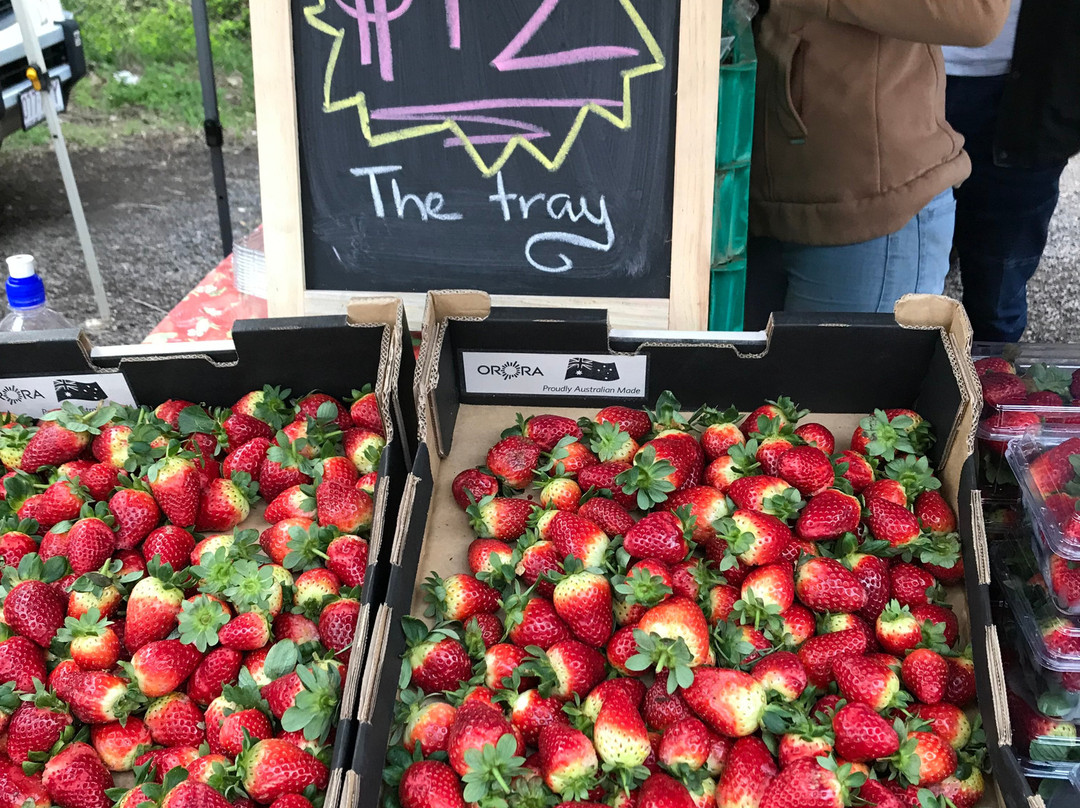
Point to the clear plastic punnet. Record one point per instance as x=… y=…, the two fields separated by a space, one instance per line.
x=1046 y=463
x=1034 y=379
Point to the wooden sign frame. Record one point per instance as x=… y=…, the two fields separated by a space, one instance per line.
x=697 y=83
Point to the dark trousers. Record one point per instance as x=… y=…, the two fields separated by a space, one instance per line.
x=1002 y=214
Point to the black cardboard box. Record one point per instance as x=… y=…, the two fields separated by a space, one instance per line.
x=333 y=354
x=479 y=365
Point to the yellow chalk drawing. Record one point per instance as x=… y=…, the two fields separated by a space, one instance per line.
x=359 y=101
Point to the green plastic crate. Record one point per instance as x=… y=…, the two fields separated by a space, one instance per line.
x=731 y=213
x=735 y=119
x=726 y=295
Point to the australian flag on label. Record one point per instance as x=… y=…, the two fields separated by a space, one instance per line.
x=588 y=369
x=82 y=391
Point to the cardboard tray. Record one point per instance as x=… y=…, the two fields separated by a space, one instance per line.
x=840 y=367
x=332 y=354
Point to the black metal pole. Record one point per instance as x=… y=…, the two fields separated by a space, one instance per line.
x=212 y=124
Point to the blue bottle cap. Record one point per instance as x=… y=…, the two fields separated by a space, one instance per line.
x=24 y=288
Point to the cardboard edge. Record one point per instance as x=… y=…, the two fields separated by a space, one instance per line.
x=356 y=667
x=369 y=686
x=978 y=538
x=997 y=687
x=385 y=313
x=401 y=529
x=378 y=525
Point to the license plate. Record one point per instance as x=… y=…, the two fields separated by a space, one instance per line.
x=33 y=111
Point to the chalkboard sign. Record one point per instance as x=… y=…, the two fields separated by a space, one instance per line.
x=524 y=147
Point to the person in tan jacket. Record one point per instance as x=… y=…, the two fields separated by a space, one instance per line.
x=853 y=164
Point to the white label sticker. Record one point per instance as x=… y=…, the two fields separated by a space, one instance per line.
x=36 y=395
x=541 y=374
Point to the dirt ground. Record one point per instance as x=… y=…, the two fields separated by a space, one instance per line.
x=150 y=205
x=152 y=214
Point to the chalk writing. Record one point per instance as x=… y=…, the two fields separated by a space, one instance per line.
x=456 y=119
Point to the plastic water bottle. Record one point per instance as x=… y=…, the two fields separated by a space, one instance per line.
x=26 y=299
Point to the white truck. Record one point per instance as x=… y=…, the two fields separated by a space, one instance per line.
x=61 y=44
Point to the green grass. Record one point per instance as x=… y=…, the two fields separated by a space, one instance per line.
x=155 y=40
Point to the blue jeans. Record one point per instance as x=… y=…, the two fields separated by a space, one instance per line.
x=1002 y=214
x=869 y=276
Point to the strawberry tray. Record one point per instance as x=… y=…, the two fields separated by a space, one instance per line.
x=327 y=354
x=1046 y=463
x=480 y=366
x=1029 y=382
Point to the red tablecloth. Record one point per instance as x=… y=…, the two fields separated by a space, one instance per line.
x=209 y=310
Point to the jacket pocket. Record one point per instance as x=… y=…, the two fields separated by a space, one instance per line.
x=789 y=55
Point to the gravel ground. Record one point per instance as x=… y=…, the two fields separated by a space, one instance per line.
x=152 y=215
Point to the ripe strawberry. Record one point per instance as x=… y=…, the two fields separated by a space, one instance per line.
x=754 y=538
x=926 y=675
x=275 y=540
x=118 y=745
x=63 y=434
x=513 y=460
x=636 y=423
x=76 y=778
x=804 y=739
x=247 y=458
x=731 y=702
x=960 y=689
x=781 y=412
x=936 y=760
x=559 y=493
x=62 y=501
x=474 y=484
x=174 y=720
x=720 y=434
x=272 y=767
x=859 y=472
x=699 y=508
x=1051 y=470
x=807 y=468
x=873 y=573
x=99 y=479
x=885 y=433
x=818 y=653
x=662 y=791
x=35 y=609
x=240 y=429
x=660 y=708
x=284 y=466
x=92 y=643
x=488 y=556
x=344 y=506
x=500 y=517
x=817 y=435
x=475 y=725
x=161 y=666
x=645 y=585
x=18 y=789
x=249 y=631
x=36 y=725
x=21 y=662
x=946 y=720
x=672 y=457
x=621 y=739
x=897 y=630
x=679 y=618
x=153 y=606
x=568 y=761
x=912 y=585
x=170 y=545
x=430 y=784
x=891 y=523
x=825 y=585
x=749 y=770
x=751 y=493
x=686 y=743
x=250 y=721
x=90 y=544
x=573 y=535
x=97 y=697
x=458 y=597
x=888 y=489
x=829 y=515
x=225 y=503
x=1002 y=388
x=136 y=514
x=174 y=482
x=624 y=645
x=220 y=667
x=863 y=735
x=566 y=669
x=347 y=557
x=193 y=794
x=661 y=535
x=934 y=513
x=604 y=477
x=533 y=621
x=781 y=673
x=583 y=600
x=806 y=782
x=15 y=544
x=768 y=590
x=530 y=713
